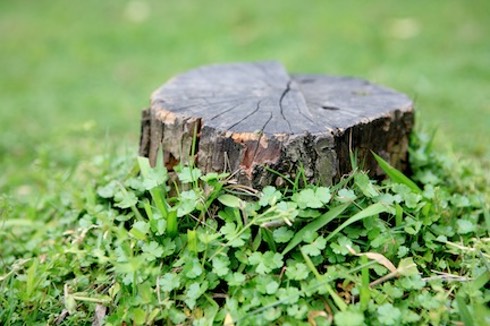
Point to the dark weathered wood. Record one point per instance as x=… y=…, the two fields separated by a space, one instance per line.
x=249 y=116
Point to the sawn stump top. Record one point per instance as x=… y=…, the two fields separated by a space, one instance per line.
x=264 y=97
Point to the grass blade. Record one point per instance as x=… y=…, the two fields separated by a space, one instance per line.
x=144 y=165
x=398 y=215
x=486 y=214
x=231 y=201
x=315 y=225
x=374 y=209
x=364 y=292
x=158 y=198
x=156 y=192
x=396 y=175
x=192 y=241
x=338 y=300
x=172 y=224
x=464 y=312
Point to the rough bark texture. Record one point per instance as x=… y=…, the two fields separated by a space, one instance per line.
x=252 y=117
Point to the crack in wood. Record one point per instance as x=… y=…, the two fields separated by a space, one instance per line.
x=199 y=105
x=281 y=108
x=246 y=117
x=330 y=108
x=226 y=111
x=304 y=115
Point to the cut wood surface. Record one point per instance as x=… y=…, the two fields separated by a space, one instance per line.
x=251 y=118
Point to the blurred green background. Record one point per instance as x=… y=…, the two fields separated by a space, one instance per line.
x=74 y=75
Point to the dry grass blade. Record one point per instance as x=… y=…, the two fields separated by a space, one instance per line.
x=312 y=315
x=406 y=267
x=379 y=258
x=100 y=313
x=228 y=320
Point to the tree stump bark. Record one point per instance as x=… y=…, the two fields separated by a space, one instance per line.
x=252 y=118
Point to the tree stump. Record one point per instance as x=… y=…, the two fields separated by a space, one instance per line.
x=254 y=118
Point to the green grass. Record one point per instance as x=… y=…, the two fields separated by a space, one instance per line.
x=73 y=74
x=76 y=228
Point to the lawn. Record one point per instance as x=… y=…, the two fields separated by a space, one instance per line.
x=74 y=77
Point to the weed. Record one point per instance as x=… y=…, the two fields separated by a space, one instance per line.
x=127 y=249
